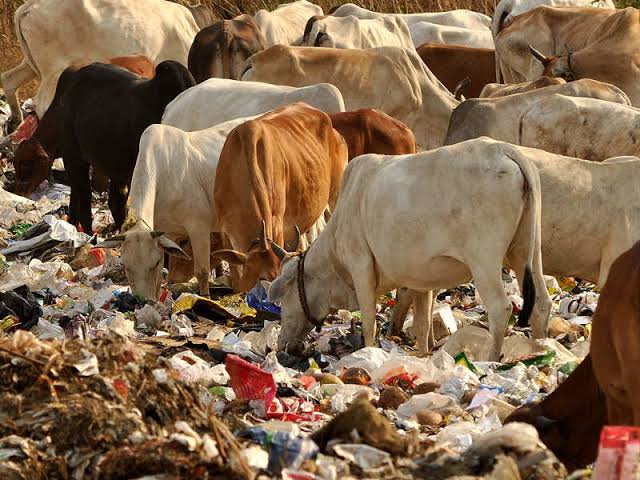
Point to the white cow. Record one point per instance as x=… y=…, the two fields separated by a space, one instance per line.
x=54 y=34
x=400 y=221
x=506 y=10
x=392 y=79
x=218 y=100
x=454 y=18
x=285 y=25
x=499 y=118
x=581 y=127
x=171 y=194
x=427 y=32
x=353 y=32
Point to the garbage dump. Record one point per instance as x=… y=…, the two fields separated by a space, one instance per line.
x=98 y=383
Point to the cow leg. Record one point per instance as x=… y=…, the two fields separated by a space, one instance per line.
x=201 y=247
x=404 y=298
x=80 y=202
x=488 y=280
x=216 y=263
x=11 y=81
x=422 y=319
x=118 y=201
x=236 y=271
x=364 y=283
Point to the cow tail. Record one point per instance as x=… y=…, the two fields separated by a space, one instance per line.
x=532 y=191
x=225 y=47
x=19 y=15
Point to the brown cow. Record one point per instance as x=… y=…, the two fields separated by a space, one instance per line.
x=453 y=63
x=275 y=177
x=373 y=131
x=615 y=344
x=221 y=49
x=493 y=90
x=34 y=157
x=569 y=420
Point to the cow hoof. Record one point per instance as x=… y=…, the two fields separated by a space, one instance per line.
x=12 y=124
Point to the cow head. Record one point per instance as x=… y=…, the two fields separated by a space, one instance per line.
x=32 y=165
x=142 y=256
x=556 y=66
x=307 y=28
x=172 y=78
x=261 y=262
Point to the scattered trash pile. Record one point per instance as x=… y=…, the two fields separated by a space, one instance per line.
x=97 y=383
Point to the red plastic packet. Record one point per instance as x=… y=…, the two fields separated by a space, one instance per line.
x=98 y=254
x=617 y=453
x=25 y=130
x=250 y=382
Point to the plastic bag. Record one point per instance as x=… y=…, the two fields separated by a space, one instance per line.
x=369 y=358
x=427 y=401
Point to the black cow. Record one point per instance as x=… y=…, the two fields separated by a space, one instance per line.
x=105 y=111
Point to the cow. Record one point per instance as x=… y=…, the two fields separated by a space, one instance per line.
x=285 y=25
x=581 y=127
x=375 y=243
x=392 y=79
x=171 y=195
x=53 y=35
x=493 y=90
x=192 y=109
x=221 y=49
x=614 y=344
x=454 y=18
x=453 y=63
x=373 y=131
x=275 y=178
x=573 y=43
x=33 y=157
x=499 y=118
x=353 y=32
x=570 y=428
x=202 y=15
x=507 y=10
x=427 y=32
x=104 y=112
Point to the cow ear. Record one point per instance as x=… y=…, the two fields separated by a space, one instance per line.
x=233 y=257
x=287 y=275
x=171 y=248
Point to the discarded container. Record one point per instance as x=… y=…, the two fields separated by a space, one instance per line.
x=250 y=382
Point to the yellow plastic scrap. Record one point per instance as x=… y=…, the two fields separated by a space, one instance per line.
x=247 y=311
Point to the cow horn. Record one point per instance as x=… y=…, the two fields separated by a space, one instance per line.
x=538 y=55
x=462 y=84
x=293 y=247
x=280 y=252
x=543 y=423
x=156 y=233
x=262 y=237
x=116 y=238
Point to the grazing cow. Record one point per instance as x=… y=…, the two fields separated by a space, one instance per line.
x=374 y=243
x=581 y=127
x=426 y=32
x=53 y=35
x=202 y=14
x=454 y=18
x=391 y=79
x=275 y=177
x=573 y=43
x=373 y=131
x=104 y=111
x=285 y=25
x=507 y=10
x=452 y=64
x=493 y=90
x=221 y=49
x=34 y=156
x=570 y=428
x=615 y=339
x=192 y=110
x=499 y=118
x=171 y=195
x=353 y=32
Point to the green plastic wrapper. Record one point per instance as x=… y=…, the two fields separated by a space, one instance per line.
x=543 y=360
x=461 y=359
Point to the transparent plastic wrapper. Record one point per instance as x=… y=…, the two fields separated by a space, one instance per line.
x=232 y=343
x=180 y=325
x=369 y=358
x=428 y=401
x=148 y=316
x=365 y=456
x=461 y=435
x=280 y=374
x=516 y=347
x=117 y=323
x=486 y=402
x=474 y=341
x=59 y=230
x=341 y=395
x=45 y=330
x=397 y=364
x=562 y=354
x=519 y=383
x=581 y=349
x=264 y=340
x=193 y=369
x=217 y=334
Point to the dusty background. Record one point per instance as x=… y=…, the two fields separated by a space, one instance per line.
x=10 y=54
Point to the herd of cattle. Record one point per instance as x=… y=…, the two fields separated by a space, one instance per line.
x=288 y=118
